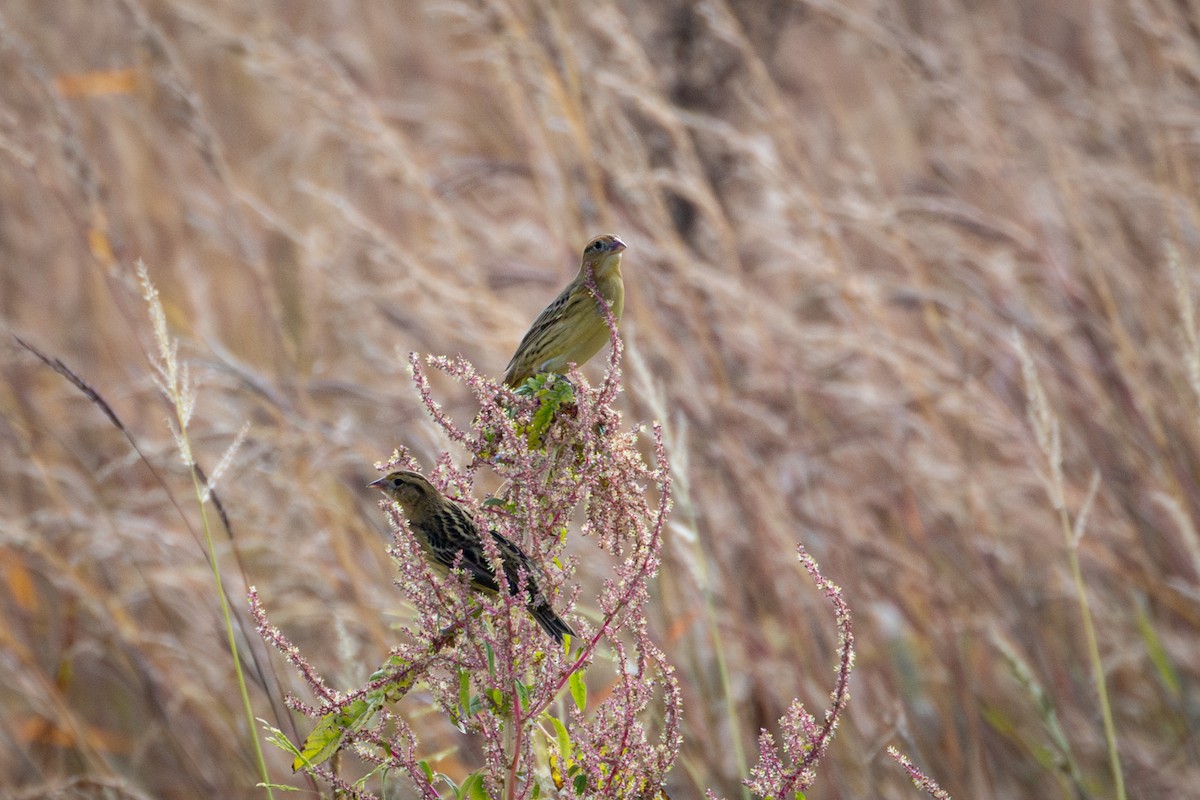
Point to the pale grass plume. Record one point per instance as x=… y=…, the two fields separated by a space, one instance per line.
x=227 y=458
x=1187 y=318
x=1183 y=523
x=1046 y=431
x=1044 y=424
x=1085 y=509
x=171 y=376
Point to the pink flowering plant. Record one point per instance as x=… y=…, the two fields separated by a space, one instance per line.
x=559 y=446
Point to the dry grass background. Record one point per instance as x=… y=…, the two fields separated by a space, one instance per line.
x=837 y=213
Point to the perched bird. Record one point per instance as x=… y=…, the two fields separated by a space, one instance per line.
x=444 y=529
x=572 y=328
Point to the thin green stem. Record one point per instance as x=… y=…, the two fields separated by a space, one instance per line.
x=233 y=648
x=1089 y=630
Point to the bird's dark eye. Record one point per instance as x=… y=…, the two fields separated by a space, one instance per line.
x=595 y=246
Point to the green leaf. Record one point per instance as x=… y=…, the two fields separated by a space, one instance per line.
x=326 y=738
x=428 y=770
x=472 y=788
x=552 y=394
x=523 y=694
x=491 y=657
x=538 y=425
x=530 y=386
x=579 y=690
x=563 y=391
x=393 y=691
x=580 y=783
x=563 y=738
x=464 y=692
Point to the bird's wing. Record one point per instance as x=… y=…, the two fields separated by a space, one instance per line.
x=514 y=562
x=458 y=534
x=549 y=316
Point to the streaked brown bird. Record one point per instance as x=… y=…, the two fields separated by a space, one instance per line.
x=444 y=529
x=572 y=328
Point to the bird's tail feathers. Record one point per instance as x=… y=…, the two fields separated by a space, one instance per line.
x=551 y=622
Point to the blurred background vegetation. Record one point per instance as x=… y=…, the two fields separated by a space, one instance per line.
x=838 y=214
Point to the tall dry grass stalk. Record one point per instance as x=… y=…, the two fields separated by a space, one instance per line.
x=1049 y=438
x=172 y=377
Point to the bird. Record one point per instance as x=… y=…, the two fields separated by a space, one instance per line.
x=444 y=529
x=572 y=328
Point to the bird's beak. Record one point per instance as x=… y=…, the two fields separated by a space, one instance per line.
x=617 y=246
x=377 y=484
